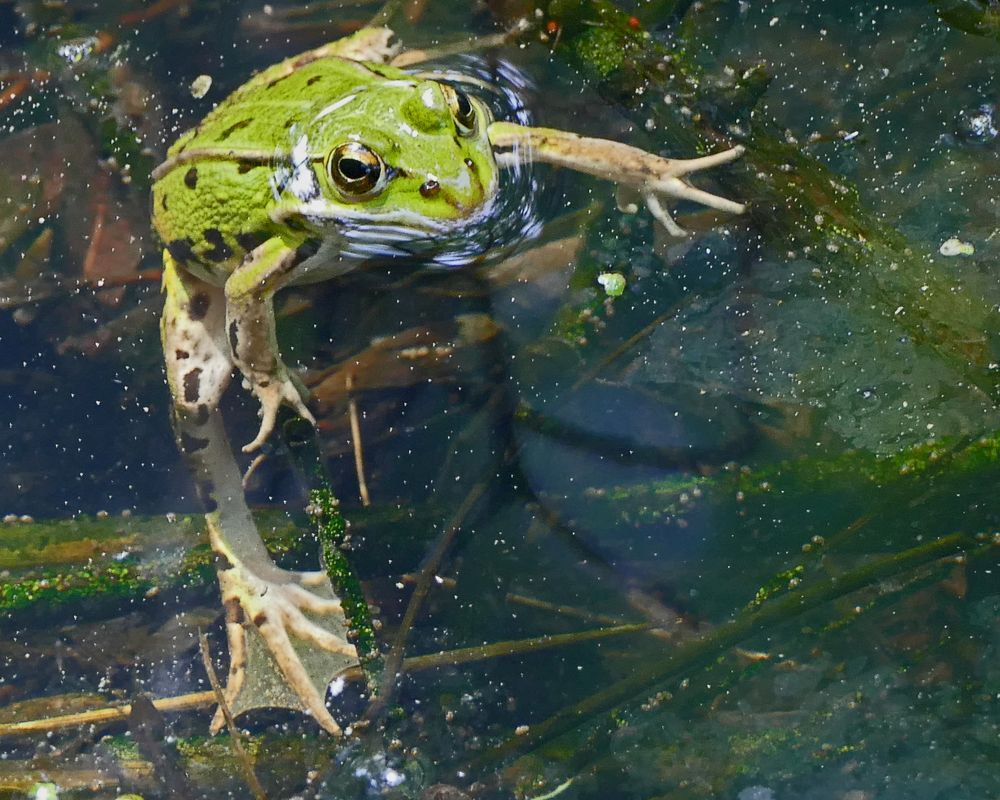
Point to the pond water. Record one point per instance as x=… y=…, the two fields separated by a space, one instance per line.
x=731 y=533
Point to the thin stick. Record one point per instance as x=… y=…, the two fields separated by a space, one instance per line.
x=565 y=611
x=246 y=767
x=359 y=455
x=394 y=660
x=105 y=716
x=446 y=658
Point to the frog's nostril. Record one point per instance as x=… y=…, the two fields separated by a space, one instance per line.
x=430 y=188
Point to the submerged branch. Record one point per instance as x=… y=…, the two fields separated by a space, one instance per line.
x=447 y=658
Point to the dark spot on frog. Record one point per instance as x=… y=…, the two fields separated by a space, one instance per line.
x=223 y=564
x=220 y=250
x=201 y=416
x=180 y=355
x=471 y=164
x=233 y=128
x=234 y=336
x=192 y=444
x=191 y=178
x=306 y=250
x=260 y=619
x=192 y=385
x=430 y=188
x=294 y=224
x=250 y=240
x=163 y=201
x=181 y=250
x=234 y=613
x=313 y=80
x=288 y=124
x=198 y=307
x=279 y=79
x=206 y=490
x=245 y=167
x=263 y=384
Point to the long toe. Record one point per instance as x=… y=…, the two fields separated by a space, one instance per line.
x=310 y=632
x=296 y=675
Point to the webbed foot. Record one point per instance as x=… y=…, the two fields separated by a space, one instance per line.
x=287 y=641
x=670 y=183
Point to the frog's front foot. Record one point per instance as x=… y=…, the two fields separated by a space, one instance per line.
x=271 y=390
x=301 y=625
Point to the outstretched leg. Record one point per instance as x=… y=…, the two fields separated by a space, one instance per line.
x=286 y=630
x=651 y=176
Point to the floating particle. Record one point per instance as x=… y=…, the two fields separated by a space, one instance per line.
x=200 y=86
x=956 y=247
x=613 y=283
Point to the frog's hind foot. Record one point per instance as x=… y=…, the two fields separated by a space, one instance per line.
x=287 y=640
x=672 y=184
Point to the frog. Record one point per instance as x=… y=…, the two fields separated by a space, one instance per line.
x=313 y=164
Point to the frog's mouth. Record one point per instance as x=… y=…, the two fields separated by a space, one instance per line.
x=396 y=233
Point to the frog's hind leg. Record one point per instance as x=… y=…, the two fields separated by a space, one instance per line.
x=647 y=174
x=286 y=630
x=252 y=339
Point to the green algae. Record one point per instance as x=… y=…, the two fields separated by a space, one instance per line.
x=102 y=564
x=956 y=460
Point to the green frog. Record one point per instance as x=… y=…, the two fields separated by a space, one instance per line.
x=328 y=156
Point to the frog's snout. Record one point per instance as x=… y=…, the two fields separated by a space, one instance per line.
x=462 y=192
x=462 y=201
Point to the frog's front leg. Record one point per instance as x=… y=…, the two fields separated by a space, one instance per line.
x=283 y=628
x=252 y=339
x=651 y=176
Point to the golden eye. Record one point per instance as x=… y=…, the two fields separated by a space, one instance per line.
x=355 y=169
x=461 y=109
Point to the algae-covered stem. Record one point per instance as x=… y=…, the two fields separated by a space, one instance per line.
x=330 y=528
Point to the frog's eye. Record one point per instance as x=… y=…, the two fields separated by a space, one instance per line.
x=461 y=109
x=355 y=169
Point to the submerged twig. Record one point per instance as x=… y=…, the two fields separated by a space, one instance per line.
x=446 y=658
x=246 y=766
x=394 y=660
x=565 y=611
x=359 y=455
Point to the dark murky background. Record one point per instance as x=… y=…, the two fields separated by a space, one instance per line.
x=778 y=448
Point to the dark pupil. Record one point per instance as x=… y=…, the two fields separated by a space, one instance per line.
x=464 y=106
x=354 y=169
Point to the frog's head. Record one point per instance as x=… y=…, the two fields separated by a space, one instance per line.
x=405 y=158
